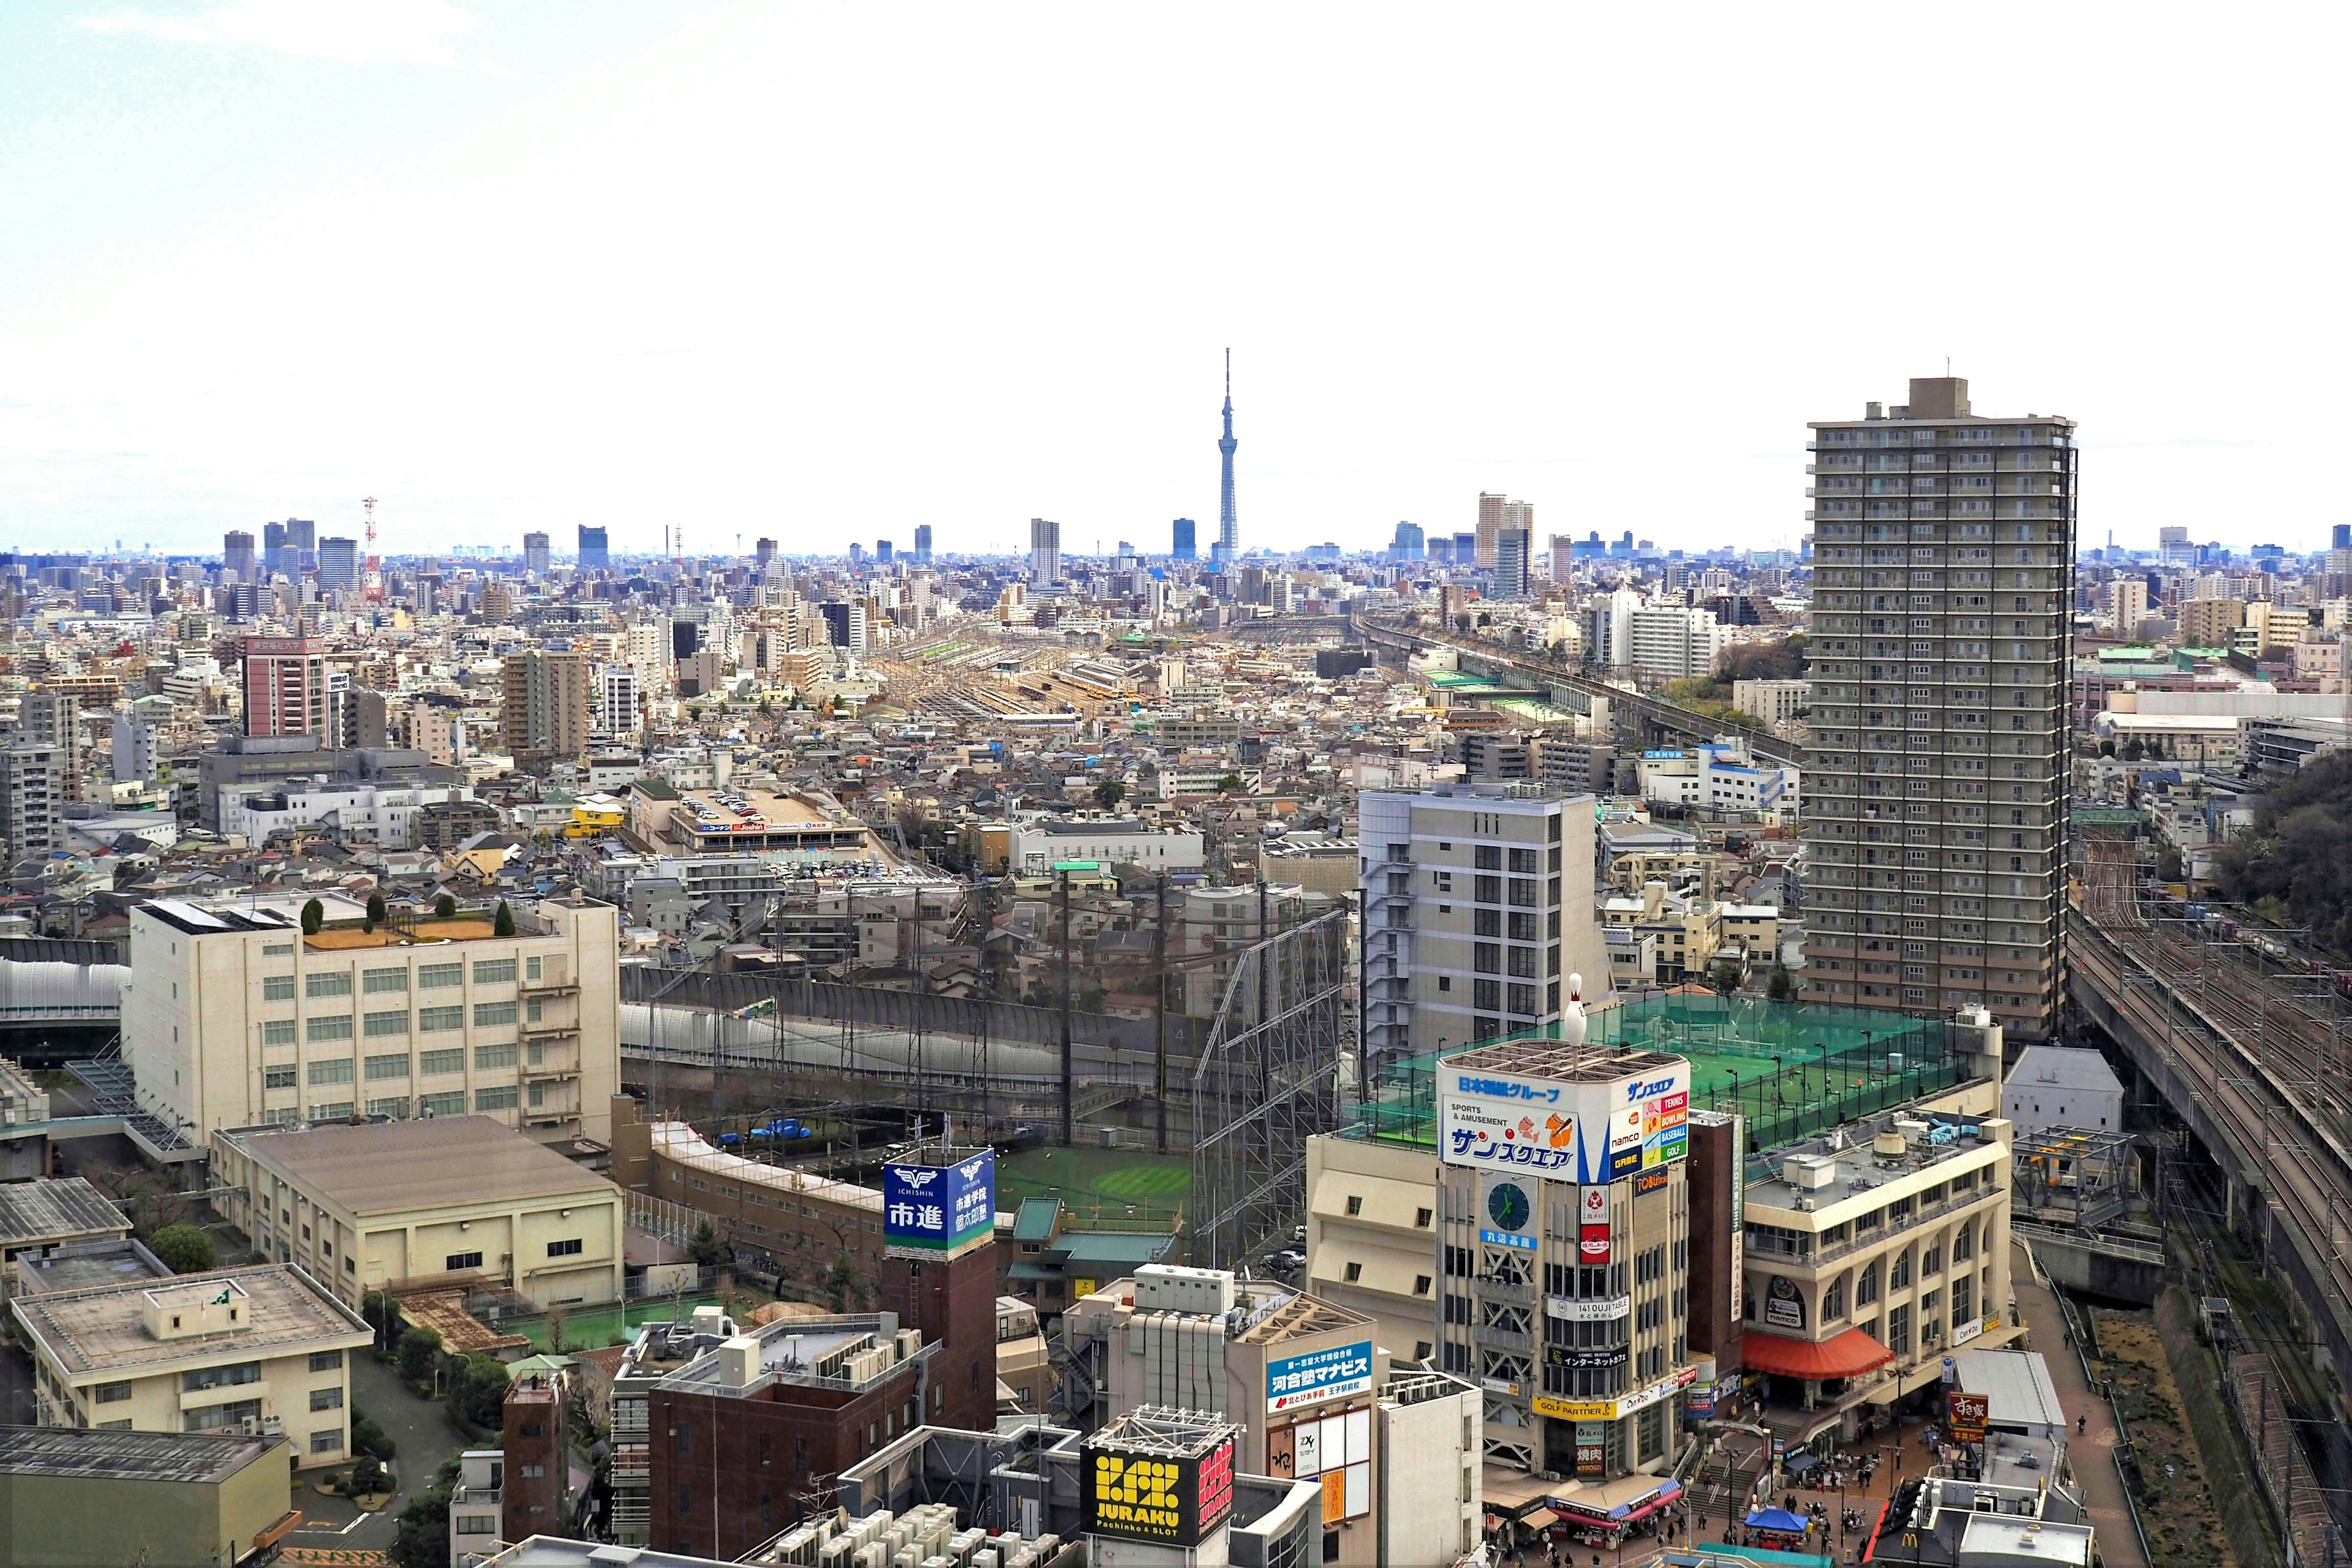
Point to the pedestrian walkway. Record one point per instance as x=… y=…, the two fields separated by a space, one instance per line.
x=2092 y=1455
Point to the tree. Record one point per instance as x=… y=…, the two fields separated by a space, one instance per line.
x=842 y=1284
x=1229 y=784
x=502 y=922
x=183 y=1249
x=422 y=1538
x=2107 y=747
x=382 y=1313
x=1783 y=985
x=556 y=1319
x=705 y=1247
x=376 y=913
x=480 y=1392
x=314 y=915
x=369 y=1439
x=2169 y=865
x=2134 y=751
x=445 y=907
x=420 y=1350
x=1725 y=978
x=1108 y=794
x=367 y=1478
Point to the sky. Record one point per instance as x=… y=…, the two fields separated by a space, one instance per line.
x=825 y=273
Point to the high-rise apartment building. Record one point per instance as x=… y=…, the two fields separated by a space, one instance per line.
x=236 y=554
x=2126 y=605
x=544 y=703
x=1673 y=642
x=285 y=686
x=1044 y=550
x=1513 y=546
x=1496 y=513
x=2211 y=623
x=1563 y=557
x=33 y=775
x=1478 y=905
x=1938 y=767
x=338 y=564
x=922 y=544
x=535 y=554
x=617 y=690
x=1180 y=545
x=595 y=553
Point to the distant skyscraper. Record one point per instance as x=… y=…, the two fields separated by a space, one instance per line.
x=2343 y=536
x=303 y=545
x=273 y=549
x=1044 y=550
x=338 y=564
x=594 y=554
x=285 y=687
x=1441 y=550
x=236 y=554
x=922 y=544
x=1512 y=548
x=1181 y=546
x=1407 y=545
x=764 y=554
x=1563 y=557
x=1466 y=551
x=1229 y=528
x=1940 y=755
x=534 y=553
x=884 y=552
x=1496 y=513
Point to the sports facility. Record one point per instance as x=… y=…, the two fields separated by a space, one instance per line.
x=1108 y=1181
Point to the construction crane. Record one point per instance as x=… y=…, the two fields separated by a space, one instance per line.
x=371 y=574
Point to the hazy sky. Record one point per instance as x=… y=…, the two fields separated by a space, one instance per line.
x=826 y=272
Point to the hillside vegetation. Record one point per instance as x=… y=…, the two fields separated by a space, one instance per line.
x=2295 y=863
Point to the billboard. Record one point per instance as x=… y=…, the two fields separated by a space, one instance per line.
x=1507 y=1210
x=1965 y=1416
x=1592 y=1227
x=1168 y=1499
x=1613 y=1409
x=1784 y=1304
x=1313 y=1376
x=932 y=1212
x=1592 y=1132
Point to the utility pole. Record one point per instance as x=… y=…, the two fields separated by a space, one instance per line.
x=1062 y=878
x=1160 y=1017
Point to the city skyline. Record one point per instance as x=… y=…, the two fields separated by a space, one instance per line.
x=210 y=193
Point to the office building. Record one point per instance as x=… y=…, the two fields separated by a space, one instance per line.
x=845 y=623
x=544 y=706
x=535 y=554
x=461 y=1200
x=285 y=687
x=1512 y=548
x=258 y=1352
x=922 y=544
x=1408 y=544
x=232 y=1018
x=1044 y=550
x=236 y=554
x=1478 y=906
x=2211 y=623
x=1181 y=546
x=302 y=546
x=1496 y=513
x=338 y=564
x=1565 y=1277
x=884 y=552
x=618 y=691
x=594 y=554
x=176 y=1499
x=1941 y=738
x=274 y=561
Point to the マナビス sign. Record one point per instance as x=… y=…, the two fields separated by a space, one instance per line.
x=1312 y=1376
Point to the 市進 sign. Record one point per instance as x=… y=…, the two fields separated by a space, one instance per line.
x=933 y=1213
x=1314 y=1376
x=1172 y=1500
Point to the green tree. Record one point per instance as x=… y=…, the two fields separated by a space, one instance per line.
x=1783 y=985
x=1109 y=793
x=421 y=1539
x=2134 y=751
x=376 y=913
x=314 y=915
x=382 y=1313
x=369 y=1439
x=183 y=1249
x=445 y=907
x=842 y=1284
x=367 y=1478
x=1229 y=784
x=1725 y=978
x=479 y=1391
x=705 y=1247
x=420 y=1350
x=502 y=922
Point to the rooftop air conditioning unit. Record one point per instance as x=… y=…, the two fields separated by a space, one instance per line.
x=1808 y=1172
x=1890 y=1145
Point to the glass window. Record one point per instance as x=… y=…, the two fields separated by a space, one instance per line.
x=333 y=1027
x=278 y=1076
x=566 y=1248
x=494 y=972
x=278 y=1032
x=451 y=1104
x=433 y=976
x=327 y=1398
x=379 y=1025
x=450 y=1060
x=492 y=1014
x=497 y=1099
x=229 y=1376
x=335 y=1069
x=278 y=988
x=377 y=980
x=386 y=1067
x=531 y=968
x=431 y=1020
x=393 y=1107
x=213 y=1417
x=331 y=982
x=330 y=1441
x=489 y=1057
x=112 y=1392
x=331 y=1110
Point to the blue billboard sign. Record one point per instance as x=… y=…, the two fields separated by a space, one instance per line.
x=938 y=1212
x=1314 y=1376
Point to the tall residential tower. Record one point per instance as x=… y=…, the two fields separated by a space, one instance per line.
x=1044 y=550
x=1935 y=827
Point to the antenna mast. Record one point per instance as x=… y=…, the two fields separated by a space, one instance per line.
x=371 y=574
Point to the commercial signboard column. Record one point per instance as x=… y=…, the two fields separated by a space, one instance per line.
x=933 y=1211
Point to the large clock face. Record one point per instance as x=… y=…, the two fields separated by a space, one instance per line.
x=1507 y=1205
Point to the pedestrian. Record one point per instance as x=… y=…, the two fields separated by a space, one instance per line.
x=2081 y=1422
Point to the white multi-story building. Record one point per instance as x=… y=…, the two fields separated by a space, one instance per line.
x=1776 y=702
x=384 y=815
x=618 y=688
x=1718 y=777
x=232 y=1018
x=1674 y=642
x=1035 y=847
x=135 y=749
x=1478 y=906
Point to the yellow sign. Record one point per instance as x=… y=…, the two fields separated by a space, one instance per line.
x=1335 y=1496
x=1568 y=1410
x=1138 y=1493
x=1081 y=1289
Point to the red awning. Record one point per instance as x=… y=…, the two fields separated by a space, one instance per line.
x=1850 y=1354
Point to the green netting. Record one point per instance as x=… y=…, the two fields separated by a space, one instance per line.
x=1792 y=1069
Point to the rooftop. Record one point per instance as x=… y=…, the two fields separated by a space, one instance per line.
x=1856 y=1166
x=1299 y=1316
x=68 y=1210
x=75 y=1265
x=103 y=1328
x=385 y=1167
x=127 y=1456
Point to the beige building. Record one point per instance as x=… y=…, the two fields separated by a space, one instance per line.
x=2211 y=623
x=159 y=1499
x=1776 y=702
x=1478 y=906
x=1498 y=514
x=257 y=1352
x=232 y=1018
x=1371 y=1237
x=1941 y=742
x=545 y=702
x=404 y=1204
x=2125 y=605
